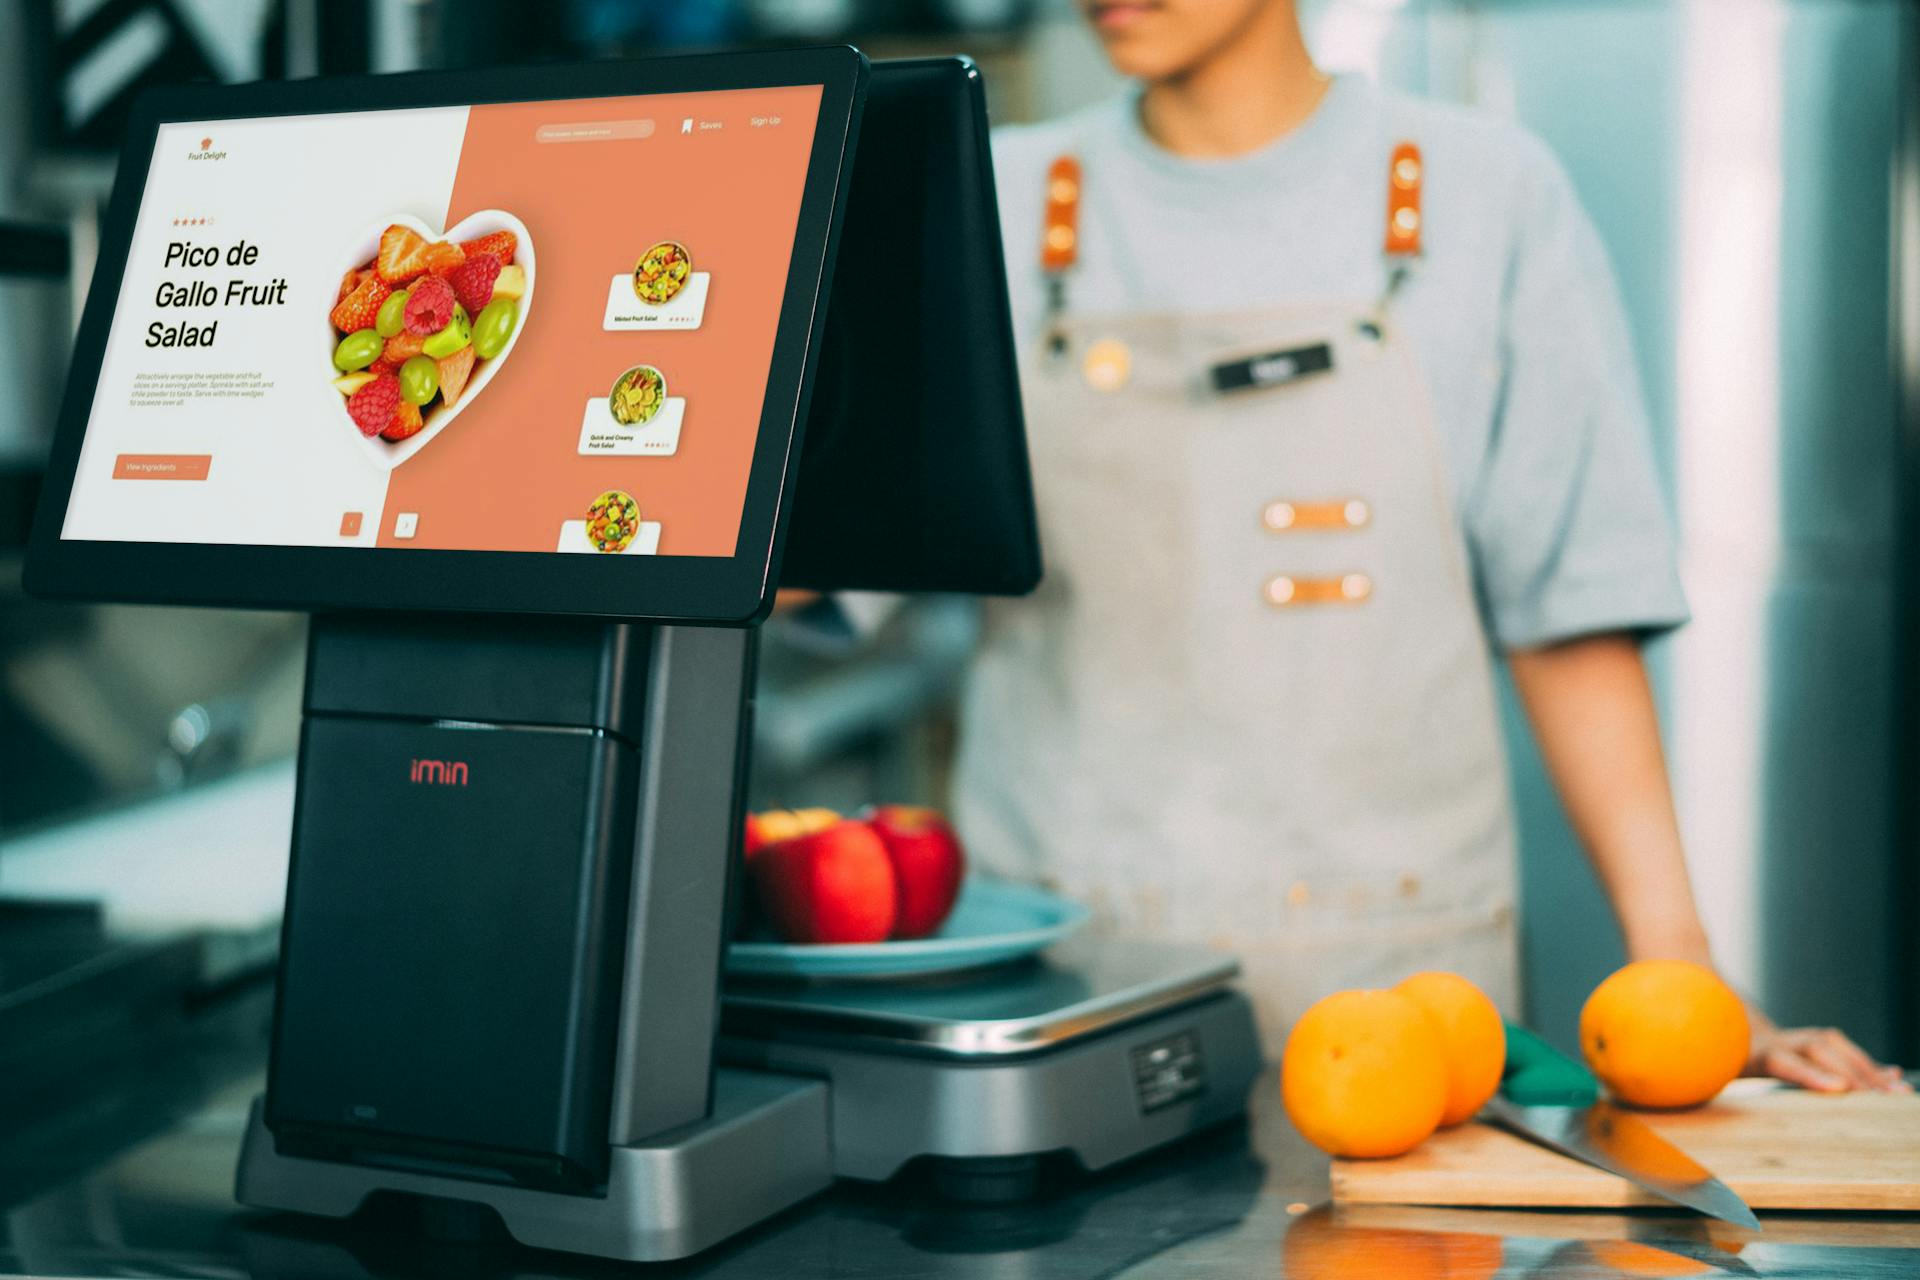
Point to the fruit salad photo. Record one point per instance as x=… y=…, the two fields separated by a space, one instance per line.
x=421 y=322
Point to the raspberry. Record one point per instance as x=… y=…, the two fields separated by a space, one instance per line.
x=372 y=406
x=473 y=279
x=429 y=307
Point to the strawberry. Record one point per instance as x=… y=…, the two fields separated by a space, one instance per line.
x=402 y=347
x=454 y=372
x=500 y=244
x=406 y=421
x=358 y=308
x=472 y=281
x=350 y=281
x=372 y=406
x=442 y=257
x=429 y=307
x=403 y=255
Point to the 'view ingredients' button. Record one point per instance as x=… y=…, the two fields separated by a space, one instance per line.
x=162 y=466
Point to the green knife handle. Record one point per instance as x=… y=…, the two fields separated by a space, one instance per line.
x=1539 y=1075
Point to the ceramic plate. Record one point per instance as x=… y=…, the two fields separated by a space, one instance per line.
x=994 y=921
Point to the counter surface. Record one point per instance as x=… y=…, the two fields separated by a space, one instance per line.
x=1246 y=1201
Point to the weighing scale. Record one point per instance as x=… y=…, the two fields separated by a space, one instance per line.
x=522 y=774
x=1094 y=1051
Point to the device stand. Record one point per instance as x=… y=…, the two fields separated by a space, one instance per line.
x=763 y=1148
x=533 y=822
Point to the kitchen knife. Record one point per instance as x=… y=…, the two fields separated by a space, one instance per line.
x=1548 y=1098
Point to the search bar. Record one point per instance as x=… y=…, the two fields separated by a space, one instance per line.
x=594 y=131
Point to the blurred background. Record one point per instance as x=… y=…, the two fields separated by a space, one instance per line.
x=1753 y=166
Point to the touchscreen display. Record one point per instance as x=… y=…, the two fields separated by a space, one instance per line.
x=518 y=327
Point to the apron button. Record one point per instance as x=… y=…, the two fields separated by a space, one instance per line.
x=1280 y=590
x=1406 y=219
x=1060 y=238
x=1278 y=515
x=1108 y=365
x=1358 y=513
x=1406 y=171
x=1298 y=894
x=1356 y=586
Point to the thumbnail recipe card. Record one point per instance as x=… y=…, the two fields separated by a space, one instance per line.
x=521 y=327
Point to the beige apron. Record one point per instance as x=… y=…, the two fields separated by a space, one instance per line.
x=1251 y=704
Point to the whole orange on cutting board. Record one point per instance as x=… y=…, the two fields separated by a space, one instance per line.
x=1474 y=1037
x=1364 y=1074
x=1664 y=1033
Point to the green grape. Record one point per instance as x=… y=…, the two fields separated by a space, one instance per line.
x=393 y=314
x=419 y=380
x=494 y=327
x=358 y=350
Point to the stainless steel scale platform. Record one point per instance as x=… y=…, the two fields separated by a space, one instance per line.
x=1096 y=1051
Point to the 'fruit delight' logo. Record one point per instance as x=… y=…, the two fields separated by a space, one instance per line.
x=206 y=151
x=438 y=773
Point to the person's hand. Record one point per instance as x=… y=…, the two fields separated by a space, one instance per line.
x=1819 y=1058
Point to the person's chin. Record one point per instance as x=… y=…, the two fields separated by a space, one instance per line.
x=1139 y=59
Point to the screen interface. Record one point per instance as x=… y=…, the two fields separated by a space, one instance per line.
x=520 y=327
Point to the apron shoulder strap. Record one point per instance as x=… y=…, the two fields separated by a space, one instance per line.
x=1060 y=246
x=1060 y=243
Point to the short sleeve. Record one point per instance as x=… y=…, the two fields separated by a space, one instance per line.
x=1568 y=525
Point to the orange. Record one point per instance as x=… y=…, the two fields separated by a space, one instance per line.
x=1474 y=1036
x=1364 y=1073
x=1321 y=1246
x=1664 y=1033
x=1631 y=1258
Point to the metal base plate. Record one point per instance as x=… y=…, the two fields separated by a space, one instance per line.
x=762 y=1149
x=1082 y=988
x=1100 y=1096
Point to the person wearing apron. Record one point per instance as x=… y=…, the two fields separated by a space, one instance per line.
x=1318 y=422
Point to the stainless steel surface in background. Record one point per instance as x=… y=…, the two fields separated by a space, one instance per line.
x=1236 y=1203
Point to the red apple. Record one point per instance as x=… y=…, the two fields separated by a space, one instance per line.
x=775 y=825
x=831 y=885
x=927 y=861
x=754 y=835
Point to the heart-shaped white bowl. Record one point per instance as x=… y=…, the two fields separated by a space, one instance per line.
x=387 y=454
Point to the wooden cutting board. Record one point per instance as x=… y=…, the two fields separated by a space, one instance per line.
x=1777 y=1148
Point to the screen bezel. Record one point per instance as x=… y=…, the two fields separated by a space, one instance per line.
x=736 y=589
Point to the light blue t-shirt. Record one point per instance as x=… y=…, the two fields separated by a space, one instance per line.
x=1512 y=313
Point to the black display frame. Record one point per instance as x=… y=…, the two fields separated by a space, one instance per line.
x=736 y=590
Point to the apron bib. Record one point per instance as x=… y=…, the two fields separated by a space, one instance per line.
x=1250 y=704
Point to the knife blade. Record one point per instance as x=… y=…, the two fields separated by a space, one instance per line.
x=1548 y=1098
